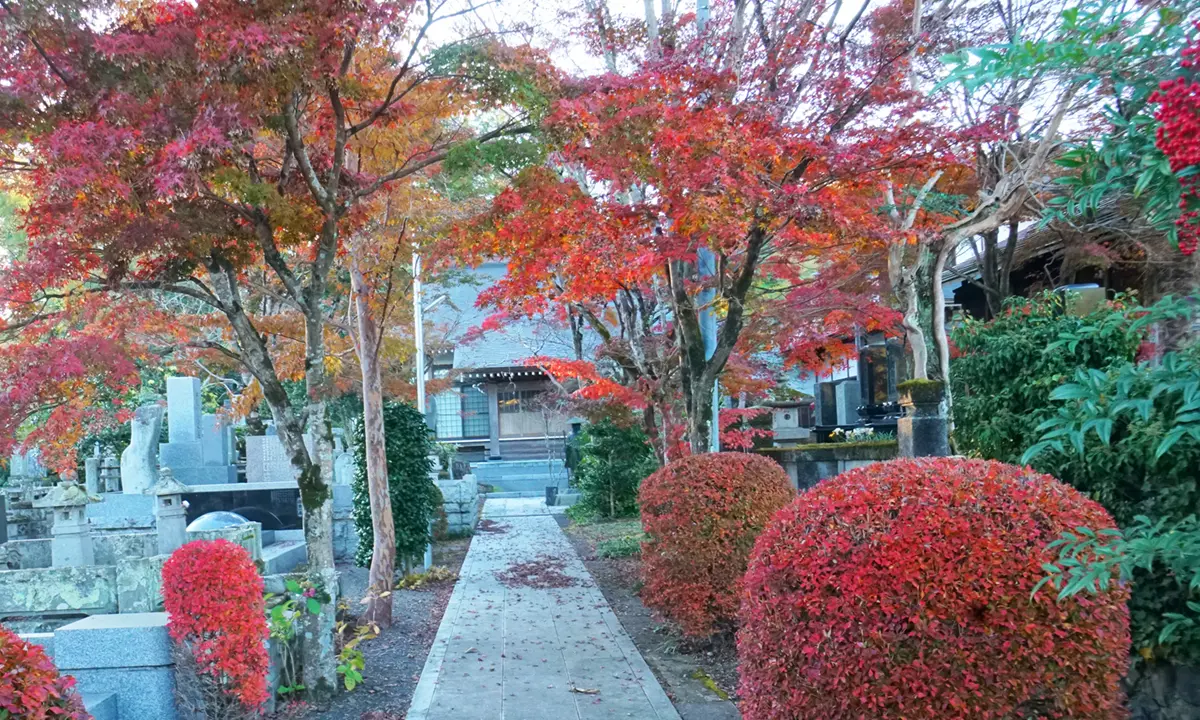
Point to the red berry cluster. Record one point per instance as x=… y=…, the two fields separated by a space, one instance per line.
x=1179 y=139
x=214 y=596
x=903 y=590
x=30 y=686
x=701 y=515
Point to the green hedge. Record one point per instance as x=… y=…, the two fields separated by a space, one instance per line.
x=412 y=492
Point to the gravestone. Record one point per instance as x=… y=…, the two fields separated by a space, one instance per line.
x=267 y=460
x=846 y=392
x=139 y=461
x=196 y=450
x=343 y=469
x=91 y=472
x=110 y=473
x=826 y=404
x=26 y=466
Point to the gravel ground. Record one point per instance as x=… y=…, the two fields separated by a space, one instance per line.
x=394 y=659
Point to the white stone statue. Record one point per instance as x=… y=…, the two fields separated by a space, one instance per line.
x=139 y=462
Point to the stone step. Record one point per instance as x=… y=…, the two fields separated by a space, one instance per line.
x=101 y=706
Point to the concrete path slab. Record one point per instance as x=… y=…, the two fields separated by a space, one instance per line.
x=505 y=651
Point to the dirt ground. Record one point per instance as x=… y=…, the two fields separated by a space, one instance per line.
x=700 y=679
x=394 y=659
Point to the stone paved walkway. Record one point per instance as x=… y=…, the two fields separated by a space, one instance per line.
x=506 y=652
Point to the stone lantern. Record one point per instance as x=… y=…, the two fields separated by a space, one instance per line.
x=71 y=544
x=169 y=512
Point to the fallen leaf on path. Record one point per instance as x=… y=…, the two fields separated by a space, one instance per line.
x=585 y=691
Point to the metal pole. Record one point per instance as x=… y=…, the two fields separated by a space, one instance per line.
x=419 y=363
x=706 y=263
x=419 y=333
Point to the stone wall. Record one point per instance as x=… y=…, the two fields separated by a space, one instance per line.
x=25 y=554
x=111 y=548
x=58 y=591
x=248 y=535
x=139 y=584
x=1163 y=692
x=807 y=466
x=460 y=501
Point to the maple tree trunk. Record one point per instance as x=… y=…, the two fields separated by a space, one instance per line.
x=383 y=549
x=320 y=657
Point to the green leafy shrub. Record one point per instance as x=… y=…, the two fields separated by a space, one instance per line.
x=619 y=547
x=1008 y=366
x=701 y=515
x=408 y=449
x=613 y=461
x=1130 y=438
x=903 y=590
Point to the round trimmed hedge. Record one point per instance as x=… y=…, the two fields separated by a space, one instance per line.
x=30 y=686
x=903 y=590
x=701 y=515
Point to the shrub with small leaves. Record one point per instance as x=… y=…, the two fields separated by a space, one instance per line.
x=904 y=590
x=408 y=447
x=30 y=686
x=701 y=515
x=214 y=596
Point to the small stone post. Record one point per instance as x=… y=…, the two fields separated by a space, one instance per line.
x=923 y=431
x=91 y=472
x=169 y=512
x=110 y=473
x=71 y=545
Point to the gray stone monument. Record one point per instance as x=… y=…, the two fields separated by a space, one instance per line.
x=196 y=450
x=343 y=469
x=71 y=543
x=923 y=431
x=139 y=461
x=26 y=466
x=91 y=472
x=169 y=512
x=267 y=460
x=846 y=392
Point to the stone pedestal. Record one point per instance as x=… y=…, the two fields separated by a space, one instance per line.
x=128 y=654
x=169 y=513
x=924 y=430
x=71 y=545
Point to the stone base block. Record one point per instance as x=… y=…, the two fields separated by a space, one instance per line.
x=113 y=641
x=284 y=557
x=206 y=474
x=142 y=693
x=177 y=455
x=101 y=706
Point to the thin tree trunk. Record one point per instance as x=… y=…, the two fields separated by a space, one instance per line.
x=383 y=549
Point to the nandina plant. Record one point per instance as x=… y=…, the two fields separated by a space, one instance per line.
x=701 y=515
x=214 y=596
x=904 y=590
x=30 y=686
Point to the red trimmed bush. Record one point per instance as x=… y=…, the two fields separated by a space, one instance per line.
x=902 y=590
x=30 y=686
x=214 y=595
x=701 y=515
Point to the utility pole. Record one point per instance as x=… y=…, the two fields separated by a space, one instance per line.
x=706 y=263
